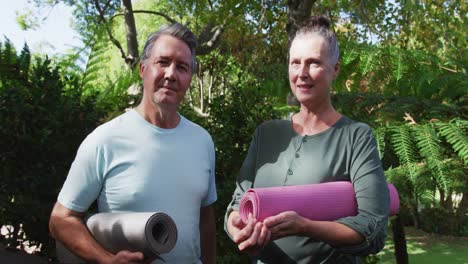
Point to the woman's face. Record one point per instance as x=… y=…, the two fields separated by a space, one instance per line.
x=311 y=70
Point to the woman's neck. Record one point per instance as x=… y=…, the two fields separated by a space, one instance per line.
x=311 y=122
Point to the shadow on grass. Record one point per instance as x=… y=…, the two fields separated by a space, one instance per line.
x=424 y=248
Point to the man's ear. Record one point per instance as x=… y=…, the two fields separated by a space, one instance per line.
x=141 y=69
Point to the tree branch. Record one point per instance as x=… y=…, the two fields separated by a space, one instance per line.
x=131 y=33
x=168 y=18
x=111 y=37
x=101 y=10
x=442 y=67
x=210 y=4
x=209 y=38
x=298 y=11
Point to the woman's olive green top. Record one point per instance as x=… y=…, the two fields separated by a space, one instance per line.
x=347 y=151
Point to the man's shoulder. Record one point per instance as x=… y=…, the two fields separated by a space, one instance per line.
x=106 y=131
x=194 y=128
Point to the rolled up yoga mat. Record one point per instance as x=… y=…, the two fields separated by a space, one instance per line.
x=323 y=202
x=150 y=233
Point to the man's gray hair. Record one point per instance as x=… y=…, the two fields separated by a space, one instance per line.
x=175 y=30
x=321 y=26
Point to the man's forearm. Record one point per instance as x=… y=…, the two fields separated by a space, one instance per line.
x=67 y=227
x=74 y=235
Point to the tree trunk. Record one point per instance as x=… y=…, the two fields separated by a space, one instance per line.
x=298 y=11
x=131 y=34
x=462 y=206
x=415 y=215
x=399 y=240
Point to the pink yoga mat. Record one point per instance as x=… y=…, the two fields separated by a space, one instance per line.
x=323 y=202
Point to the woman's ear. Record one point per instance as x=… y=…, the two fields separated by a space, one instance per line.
x=336 y=70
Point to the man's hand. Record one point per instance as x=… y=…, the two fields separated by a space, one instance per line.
x=251 y=237
x=128 y=257
x=284 y=224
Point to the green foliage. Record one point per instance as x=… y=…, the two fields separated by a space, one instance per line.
x=27 y=20
x=405 y=148
x=455 y=133
x=412 y=192
x=443 y=221
x=431 y=150
x=422 y=144
x=371 y=259
x=379 y=135
x=398 y=71
x=42 y=124
x=110 y=85
x=378 y=109
x=426 y=166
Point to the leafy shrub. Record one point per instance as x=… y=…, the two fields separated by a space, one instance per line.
x=43 y=120
x=443 y=221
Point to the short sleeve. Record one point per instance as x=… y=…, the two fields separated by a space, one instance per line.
x=84 y=181
x=211 y=195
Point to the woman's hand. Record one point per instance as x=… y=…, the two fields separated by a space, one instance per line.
x=251 y=237
x=285 y=224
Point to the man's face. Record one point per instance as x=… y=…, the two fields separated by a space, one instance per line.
x=167 y=73
x=311 y=70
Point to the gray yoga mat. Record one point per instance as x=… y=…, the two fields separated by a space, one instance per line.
x=150 y=233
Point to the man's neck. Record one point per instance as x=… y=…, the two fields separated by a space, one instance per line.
x=159 y=116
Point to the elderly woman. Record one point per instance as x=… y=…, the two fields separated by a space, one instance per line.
x=315 y=145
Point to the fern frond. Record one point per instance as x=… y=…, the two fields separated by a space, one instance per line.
x=431 y=149
x=399 y=65
x=369 y=60
x=350 y=55
x=426 y=196
x=455 y=134
x=379 y=135
x=95 y=61
x=405 y=149
x=414 y=190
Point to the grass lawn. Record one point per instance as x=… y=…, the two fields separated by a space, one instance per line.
x=424 y=248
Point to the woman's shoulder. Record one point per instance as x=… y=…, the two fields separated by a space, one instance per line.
x=276 y=124
x=352 y=124
x=352 y=127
